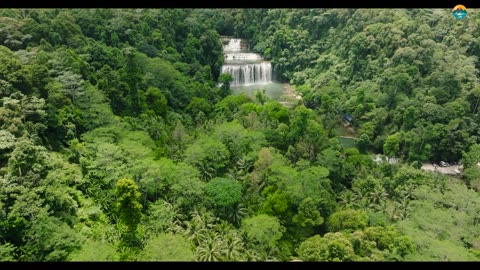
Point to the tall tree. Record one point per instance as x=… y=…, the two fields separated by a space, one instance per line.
x=128 y=205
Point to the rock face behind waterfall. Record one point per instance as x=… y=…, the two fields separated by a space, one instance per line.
x=246 y=67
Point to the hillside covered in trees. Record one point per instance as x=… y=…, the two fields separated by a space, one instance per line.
x=118 y=144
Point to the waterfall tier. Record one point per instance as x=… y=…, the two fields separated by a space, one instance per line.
x=238 y=57
x=247 y=74
x=234 y=45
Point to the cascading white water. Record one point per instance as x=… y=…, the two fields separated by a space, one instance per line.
x=247 y=74
x=231 y=57
x=246 y=68
x=234 y=45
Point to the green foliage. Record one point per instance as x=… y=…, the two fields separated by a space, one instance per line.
x=239 y=141
x=167 y=247
x=7 y=141
x=94 y=109
x=225 y=80
x=263 y=230
x=95 y=251
x=260 y=96
x=198 y=105
x=438 y=223
x=209 y=155
x=308 y=215
x=311 y=182
x=164 y=179
x=347 y=220
x=276 y=204
x=274 y=111
x=12 y=72
x=391 y=146
x=128 y=203
x=230 y=105
x=472 y=157
x=161 y=216
x=472 y=177
x=156 y=100
x=28 y=160
x=7 y=252
x=49 y=239
x=223 y=192
x=331 y=247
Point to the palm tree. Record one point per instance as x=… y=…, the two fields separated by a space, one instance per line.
x=176 y=227
x=233 y=247
x=407 y=191
x=177 y=215
x=404 y=209
x=223 y=228
x=240 y=171
x=360 y=198
x=346 y=199
x=264 y=256
x=237 y=213
x=244 y=164
x=207 y=171
x=210 y=250
x=252 y=255
x=195 y=230
x=233 y=173
x=209 y=219
x=377 y=196
x=401 y=209
x=176 y=222
x=382 y=206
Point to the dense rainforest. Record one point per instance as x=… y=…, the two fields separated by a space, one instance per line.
x=118 y=144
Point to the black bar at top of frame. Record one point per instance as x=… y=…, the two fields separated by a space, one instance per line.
x=238 y=4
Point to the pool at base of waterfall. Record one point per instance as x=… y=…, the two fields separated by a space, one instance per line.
x=273 y=90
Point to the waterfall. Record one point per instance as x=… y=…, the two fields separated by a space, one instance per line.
x=246 y=68
x=247 y=74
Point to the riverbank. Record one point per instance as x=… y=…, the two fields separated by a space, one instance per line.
x=450 y=170
x=289 y=96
